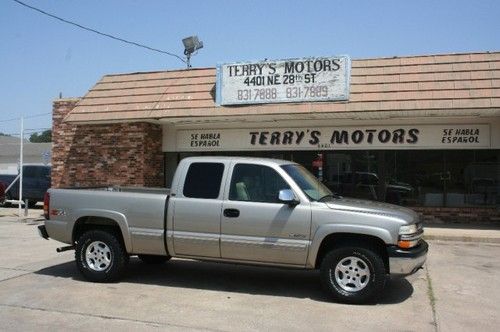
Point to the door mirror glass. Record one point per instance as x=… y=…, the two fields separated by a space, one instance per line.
x=288 y=197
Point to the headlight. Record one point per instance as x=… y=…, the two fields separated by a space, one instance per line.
x=408 y=229
x=410 y=235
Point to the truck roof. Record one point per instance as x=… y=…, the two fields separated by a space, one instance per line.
x=268 y=161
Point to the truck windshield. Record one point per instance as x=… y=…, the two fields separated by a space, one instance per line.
x=314 y=189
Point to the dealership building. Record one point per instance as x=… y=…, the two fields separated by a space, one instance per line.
x=418 y=131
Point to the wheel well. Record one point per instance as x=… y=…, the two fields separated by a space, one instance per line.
x=84 y=224
x=338 y=240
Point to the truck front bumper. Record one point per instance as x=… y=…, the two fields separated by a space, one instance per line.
x=403 y=262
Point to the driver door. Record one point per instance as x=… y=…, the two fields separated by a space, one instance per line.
x=255 y=226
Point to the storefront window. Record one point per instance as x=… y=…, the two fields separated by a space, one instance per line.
x=437 y=178
x=416 y=178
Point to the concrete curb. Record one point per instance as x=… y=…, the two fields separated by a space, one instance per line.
x=463 y=234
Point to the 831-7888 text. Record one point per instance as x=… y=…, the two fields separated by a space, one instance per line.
x=316 y=91
x=257 y=94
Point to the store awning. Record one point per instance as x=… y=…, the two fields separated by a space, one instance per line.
x=432 y=85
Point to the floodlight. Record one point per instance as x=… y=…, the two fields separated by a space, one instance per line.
x=191 y=45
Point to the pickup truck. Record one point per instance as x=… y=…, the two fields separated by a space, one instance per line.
x=240 y=210
x=36 y=181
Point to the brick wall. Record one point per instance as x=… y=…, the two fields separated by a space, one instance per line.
x=449 y=215
x=127 y=154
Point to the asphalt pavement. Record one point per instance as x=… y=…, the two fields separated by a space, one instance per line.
x=42 y=290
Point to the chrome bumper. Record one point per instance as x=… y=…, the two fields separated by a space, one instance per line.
x=403 y=262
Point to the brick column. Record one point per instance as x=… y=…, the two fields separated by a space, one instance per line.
x=126 y=154
x=62 y=134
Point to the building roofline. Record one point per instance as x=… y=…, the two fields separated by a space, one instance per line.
x=427 y=55
x=354 y=59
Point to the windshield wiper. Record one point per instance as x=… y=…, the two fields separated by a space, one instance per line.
x=334 y=195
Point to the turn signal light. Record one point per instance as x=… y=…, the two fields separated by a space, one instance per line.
x=404 y=244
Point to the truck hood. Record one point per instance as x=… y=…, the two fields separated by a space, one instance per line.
x=371 y=207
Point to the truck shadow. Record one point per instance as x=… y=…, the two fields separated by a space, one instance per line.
x=231 y=278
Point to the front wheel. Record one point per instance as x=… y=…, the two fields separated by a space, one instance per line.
x=353 y=274
x=100 y=256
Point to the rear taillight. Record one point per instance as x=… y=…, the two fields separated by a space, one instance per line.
x=46 y=205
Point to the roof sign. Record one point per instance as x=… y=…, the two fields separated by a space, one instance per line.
x=284 y=81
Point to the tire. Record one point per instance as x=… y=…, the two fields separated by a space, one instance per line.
x=153 y=259
x=100 y=256
x=353 y=274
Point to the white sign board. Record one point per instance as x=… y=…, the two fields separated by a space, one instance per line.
x=336 y=138
x=283 y=81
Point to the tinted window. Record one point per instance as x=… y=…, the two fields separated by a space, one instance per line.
x=31 y=171
x=256 y=183
x=35 y=171
x=307 y=182
x=203 y=180
x=45 y=172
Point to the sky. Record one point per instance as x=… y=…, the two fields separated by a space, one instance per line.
x=41 y=58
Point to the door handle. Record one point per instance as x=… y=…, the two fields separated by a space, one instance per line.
x=231 y=213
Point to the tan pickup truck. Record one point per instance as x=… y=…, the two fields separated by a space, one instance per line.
x=243 y=210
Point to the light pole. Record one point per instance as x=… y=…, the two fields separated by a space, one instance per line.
x=20 y=198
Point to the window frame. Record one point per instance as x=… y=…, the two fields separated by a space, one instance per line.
x=230 y=182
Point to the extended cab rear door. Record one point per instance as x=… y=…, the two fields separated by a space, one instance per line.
x=197 y=209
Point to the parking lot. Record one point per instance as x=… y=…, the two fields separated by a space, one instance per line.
x=42 y=290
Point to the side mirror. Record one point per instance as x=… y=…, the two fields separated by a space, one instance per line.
x=287 y=196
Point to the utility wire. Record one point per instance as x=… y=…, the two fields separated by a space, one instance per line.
x=98 y=32
x=37 y=115
x=8 y=120
x=27 y=117
x=37 y=129
x=26 y=131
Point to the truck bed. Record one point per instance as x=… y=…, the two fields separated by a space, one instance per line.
x=139 y=212
x=144 y=190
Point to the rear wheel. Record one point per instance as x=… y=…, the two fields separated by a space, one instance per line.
x=100 y=256
x=153 y=259
x=353 y=274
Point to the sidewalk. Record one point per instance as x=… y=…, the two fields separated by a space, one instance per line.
x=463 y=232
x=12 y=213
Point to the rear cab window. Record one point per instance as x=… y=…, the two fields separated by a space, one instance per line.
x=203 y=180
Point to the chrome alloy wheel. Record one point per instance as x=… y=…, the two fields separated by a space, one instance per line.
x=352 y=274
x=98 y=256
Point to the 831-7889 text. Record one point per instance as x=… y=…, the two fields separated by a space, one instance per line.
x=317 y=91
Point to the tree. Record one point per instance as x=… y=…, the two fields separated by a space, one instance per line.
x=44 y=137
